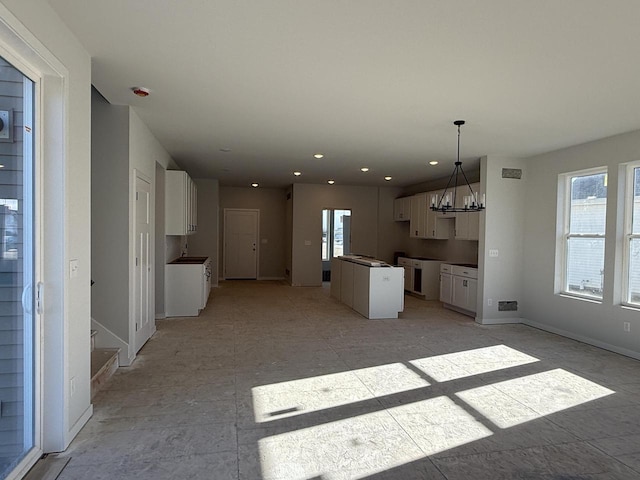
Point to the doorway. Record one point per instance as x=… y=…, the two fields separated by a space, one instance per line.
x=336 y=237
x=241 y=243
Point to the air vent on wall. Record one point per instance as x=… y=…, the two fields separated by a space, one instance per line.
x=508 y=306
x=512 y=173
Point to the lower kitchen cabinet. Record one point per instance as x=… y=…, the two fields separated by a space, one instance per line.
x=187 y=286
x=459 y=287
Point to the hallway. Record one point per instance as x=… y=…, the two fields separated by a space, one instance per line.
x=275 y=382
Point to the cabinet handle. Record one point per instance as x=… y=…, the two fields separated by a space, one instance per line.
x=464 y=283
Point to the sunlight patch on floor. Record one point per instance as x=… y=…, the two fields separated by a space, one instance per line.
x=452 y=366
x=367 y=444
x=296 y=397
x=505 y=403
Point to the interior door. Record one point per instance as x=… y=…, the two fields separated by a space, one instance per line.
x=144 y=320
x=241 y=243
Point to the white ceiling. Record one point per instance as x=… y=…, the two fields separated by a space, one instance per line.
x=366 y=82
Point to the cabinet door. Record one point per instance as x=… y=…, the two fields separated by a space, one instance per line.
x=417 y=223
x=402 y=209
x=472 y=294
x=459 y=295
x=446 y=288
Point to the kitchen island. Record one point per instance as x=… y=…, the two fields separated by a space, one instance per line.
x=371 y=287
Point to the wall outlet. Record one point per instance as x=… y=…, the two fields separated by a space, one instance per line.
x=627 y=326
x=73 y=268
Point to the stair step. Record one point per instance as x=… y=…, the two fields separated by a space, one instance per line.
x=104 y=363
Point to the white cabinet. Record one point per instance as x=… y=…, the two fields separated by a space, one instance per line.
x=421 y=276
x=467 y=223
x=181 y=216
x=187 y=286
x=438 y=225
x=459 y=287
x=370 y=287
x=417 y=222
x=446 y=284
x=402 y=209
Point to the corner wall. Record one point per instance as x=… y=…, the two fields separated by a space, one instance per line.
x=205 y=241
x=600 y=324
x=308 y=203
x=501 y=229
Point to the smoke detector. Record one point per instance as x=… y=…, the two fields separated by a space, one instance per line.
x=141 y=91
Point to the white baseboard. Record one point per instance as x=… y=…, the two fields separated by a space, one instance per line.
x=583 y=339
x=498 y=321
x=84 y=418
x=105 y=338
x=160 y=316
x=270 y=278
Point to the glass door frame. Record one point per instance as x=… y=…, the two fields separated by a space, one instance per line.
x=34 y=169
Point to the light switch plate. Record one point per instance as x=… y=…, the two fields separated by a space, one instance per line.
x=493 y=252
x=73 y=268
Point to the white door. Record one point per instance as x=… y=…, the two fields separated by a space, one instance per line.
x=241 y=243
x=144 y=320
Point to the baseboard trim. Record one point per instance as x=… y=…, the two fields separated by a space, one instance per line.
x=161 y=316
x=583 y=339
x=271 y=278
x=498 y=321
x=84 y=418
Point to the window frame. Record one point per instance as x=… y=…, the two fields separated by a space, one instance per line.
x=628 y=234
x=566 y=235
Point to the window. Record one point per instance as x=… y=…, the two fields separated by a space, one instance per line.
x=336 y=227
x=632 y=236
x=584 y=232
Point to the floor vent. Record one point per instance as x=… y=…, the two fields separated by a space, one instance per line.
x=508 y=306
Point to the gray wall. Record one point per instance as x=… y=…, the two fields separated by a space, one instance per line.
x=160 y=243
x=502 y=229
x=205 y=242
x=272 y=205
x=110 y=214
x=597 y=323
x=308 y=203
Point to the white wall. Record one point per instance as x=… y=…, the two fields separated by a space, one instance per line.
x=110 y=213
x=205 y=241
x=597 y=323
x=501 y=229
x=66 y=66
x=308 y=203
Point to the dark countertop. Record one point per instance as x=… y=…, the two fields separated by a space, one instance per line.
x=188 y=260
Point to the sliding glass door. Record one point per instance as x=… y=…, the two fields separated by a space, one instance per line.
x=18 y=347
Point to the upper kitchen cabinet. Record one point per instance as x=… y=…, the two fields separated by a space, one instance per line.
x=418 y=225
x=181 y=216
x=467 y=223
x=402 y=209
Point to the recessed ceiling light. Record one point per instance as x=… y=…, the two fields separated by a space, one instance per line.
x=318 y=155
x=364 y=169
x=1 y=166
x=433 y=162
x=225 y=149
x=297 y=174
x=387 y=178
x=254 y=185
x=331 y=182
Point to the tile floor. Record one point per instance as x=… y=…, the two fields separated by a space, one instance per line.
x=274 y=382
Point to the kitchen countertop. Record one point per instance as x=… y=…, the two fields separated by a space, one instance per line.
x=188 y=260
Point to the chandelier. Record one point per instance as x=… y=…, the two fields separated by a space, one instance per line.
x=446 y=203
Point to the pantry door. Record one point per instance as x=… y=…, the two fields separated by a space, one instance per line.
x=241 y=243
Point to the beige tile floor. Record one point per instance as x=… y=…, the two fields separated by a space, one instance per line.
x=275 y=382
